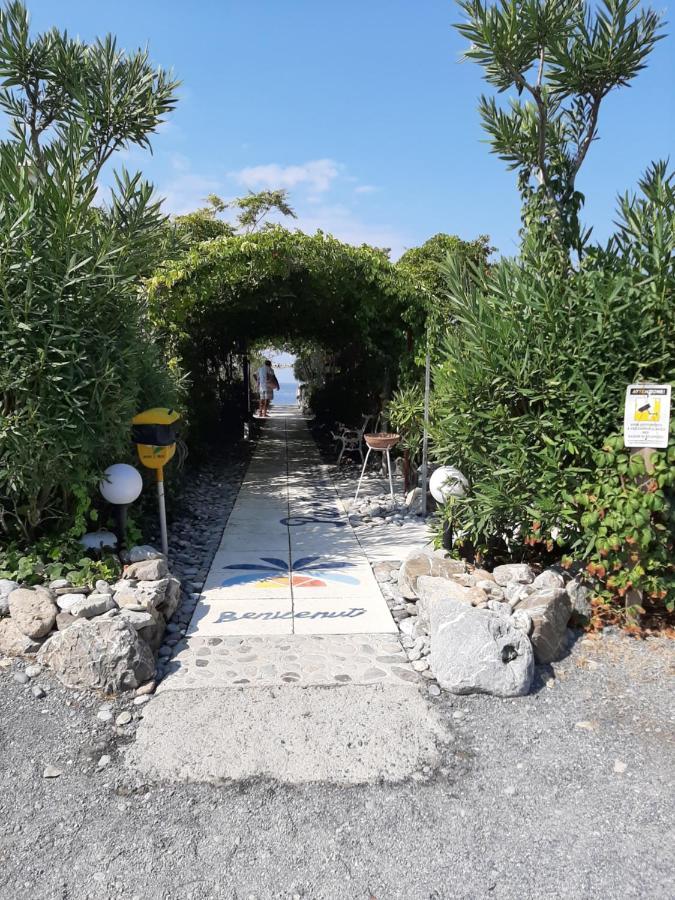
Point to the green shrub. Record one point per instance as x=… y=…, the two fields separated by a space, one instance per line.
x=533 y=370
x=77 y=355
x=406 y=415
x=46 y=561
x=623 y=526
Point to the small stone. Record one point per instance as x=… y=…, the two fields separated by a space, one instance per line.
x=519 y=572
x=92 y=606
x=140 y=699
x=21 y=678
x=549 y=578
x=510 y=790
x=52 y=772
x=33 y=671
x=434 y=690
x=619 y=766
x=586 y=725
x=420 y=665
x=104 y=715
x=458 y=714
x=103 y=761
x=58 y=583
x=124 y=718
x=148 y=688
x=38 y=692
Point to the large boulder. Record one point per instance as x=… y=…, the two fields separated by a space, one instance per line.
x=478 y=651
x=104 y=654
x=425 y=562
x=33 y=611
x=550 y=611
x=432 y=590
x=6 y=588
x=519 y=572
x=13 y=642
x=147 y=570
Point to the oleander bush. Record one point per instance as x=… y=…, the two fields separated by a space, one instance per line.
x=534 y=367
x=78 y=355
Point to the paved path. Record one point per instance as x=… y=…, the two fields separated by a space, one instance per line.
x=291 y=667
x=289 y=562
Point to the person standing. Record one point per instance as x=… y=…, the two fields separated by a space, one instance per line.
x=267 y=385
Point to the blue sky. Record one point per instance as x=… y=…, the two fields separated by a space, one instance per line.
x=360 y=108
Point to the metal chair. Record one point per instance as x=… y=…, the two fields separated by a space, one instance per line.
x=351 y=439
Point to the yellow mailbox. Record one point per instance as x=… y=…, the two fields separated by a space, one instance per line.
x=154 y=433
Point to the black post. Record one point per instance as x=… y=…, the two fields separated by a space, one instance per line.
x=121 y=517
x=447 y=536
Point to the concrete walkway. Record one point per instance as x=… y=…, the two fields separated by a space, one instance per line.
x=289 y=562
x=291 y=668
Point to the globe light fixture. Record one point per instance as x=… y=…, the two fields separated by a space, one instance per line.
x=121 y=485
x=446 y=483
x=98 y=540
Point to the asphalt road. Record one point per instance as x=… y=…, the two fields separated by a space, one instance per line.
x=566 y=793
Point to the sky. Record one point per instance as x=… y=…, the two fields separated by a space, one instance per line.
x=362 y=109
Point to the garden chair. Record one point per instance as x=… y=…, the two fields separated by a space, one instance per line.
x=350 y=439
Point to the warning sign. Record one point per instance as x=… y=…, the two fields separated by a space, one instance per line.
x=646 y=415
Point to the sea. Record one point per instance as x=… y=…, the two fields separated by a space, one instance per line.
x=286 y=395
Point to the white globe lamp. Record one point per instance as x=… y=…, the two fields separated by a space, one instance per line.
x=98 y=540
x=121 y=485
x=447 y=482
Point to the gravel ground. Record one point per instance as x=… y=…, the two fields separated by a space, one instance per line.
x=563 y=794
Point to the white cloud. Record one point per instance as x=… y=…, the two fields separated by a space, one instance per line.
x=317 y=176
x=341 y=222
x=186 y=192
x=366 y=189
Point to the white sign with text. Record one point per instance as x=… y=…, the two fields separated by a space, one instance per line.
x=646 y=415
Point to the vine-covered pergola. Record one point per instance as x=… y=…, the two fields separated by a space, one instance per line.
x=286 y=288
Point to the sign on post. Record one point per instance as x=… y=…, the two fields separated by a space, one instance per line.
x=646 y=415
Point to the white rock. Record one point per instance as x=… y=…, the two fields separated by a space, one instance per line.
x=33 y=611
x=519 y=572
x=92 y=606
x=549 y=578
x=66 y=601
x=141 y=553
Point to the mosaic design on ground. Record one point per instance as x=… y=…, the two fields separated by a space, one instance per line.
x=310 y=571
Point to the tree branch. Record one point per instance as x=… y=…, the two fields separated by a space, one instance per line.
x=590 y=134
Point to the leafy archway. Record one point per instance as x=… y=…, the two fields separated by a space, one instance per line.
x=287 y=287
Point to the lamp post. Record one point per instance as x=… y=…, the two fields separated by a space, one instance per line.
x=121 y=485
x=445 y=484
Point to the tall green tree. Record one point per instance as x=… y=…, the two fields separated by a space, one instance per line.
x=560 y=59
